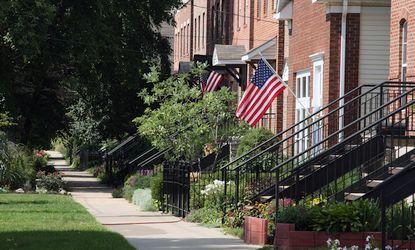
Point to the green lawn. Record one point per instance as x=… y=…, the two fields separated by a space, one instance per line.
x=31 y=221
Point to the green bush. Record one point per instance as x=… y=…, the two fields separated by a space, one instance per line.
x=252 y=138
x=135 y=182
x=117 y=193
x=207 y=216
x=357 y=216
x=51 y=182
x=16 y=165
x=301 y=216
x=58 y=144
x=157 y=189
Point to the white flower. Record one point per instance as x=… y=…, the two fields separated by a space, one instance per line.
x=388 y=247
x=354 y=247
x=336 y=242
x=368 y=247
x=329 y=241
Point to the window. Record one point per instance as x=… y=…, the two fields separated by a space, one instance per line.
x=203 y=31
x=198 y=32
x=404 y=44
x=258 y=8
x=238 y=14
x=246 y=7
x=265 y=7
x=195 y=34
x=188 y=38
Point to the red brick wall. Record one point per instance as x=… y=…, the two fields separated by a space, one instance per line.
x=311 y=33
x=314 y=31
x=402 y=9
x=182 y=47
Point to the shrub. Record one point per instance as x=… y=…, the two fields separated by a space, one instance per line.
x=301 y=216
x=358 y=216
x=252 y=138
x=58 y=144
x=16 y=165
x=117 y=193
x=157 y=189
x=206 y=215
x=135 y=182
x=51 y=182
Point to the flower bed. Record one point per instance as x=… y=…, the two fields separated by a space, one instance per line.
x=287 y=238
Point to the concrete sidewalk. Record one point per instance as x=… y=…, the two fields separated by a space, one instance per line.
x=144 y=230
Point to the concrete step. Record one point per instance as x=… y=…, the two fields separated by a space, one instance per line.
x=373 y=183
x=265 y=198
x=353 y=196
x=395 y=170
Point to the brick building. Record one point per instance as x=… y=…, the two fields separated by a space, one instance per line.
x=402 y=49
x=200 y=24
x=331 y=48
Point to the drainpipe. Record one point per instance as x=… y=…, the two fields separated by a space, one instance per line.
x=343 y=64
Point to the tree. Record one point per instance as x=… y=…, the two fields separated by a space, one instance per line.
x=55 y=54
x=183 y=120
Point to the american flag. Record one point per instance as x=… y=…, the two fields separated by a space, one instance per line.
x=265 y=86
x=209 y=82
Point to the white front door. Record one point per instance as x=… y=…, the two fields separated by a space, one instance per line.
x=301 y=109
x=317 y=103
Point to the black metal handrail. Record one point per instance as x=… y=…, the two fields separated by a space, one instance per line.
x=245 y=173
x=336 y=133
x=269 y=149
x=330 y=105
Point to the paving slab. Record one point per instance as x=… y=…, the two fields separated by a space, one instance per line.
x=144 y=230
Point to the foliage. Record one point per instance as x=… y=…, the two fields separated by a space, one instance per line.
x=33 y=221
x=143 y=200
x=58 y=145
x=117 y=193
x=157 y=189
x=85 y=124
x=252 y=138
x=16 y=165
x=301 y=216
x=135 y=182
x=206 y=215
x=55 y=53
x=184 y=121
x=109 y=144
x=5 y=119
x=235 y=231
x=51 y=182
x=358 y=216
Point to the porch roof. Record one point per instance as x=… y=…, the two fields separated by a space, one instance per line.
x=228 y=55
x=267 y=49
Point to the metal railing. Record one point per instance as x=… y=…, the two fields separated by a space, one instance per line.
x=315 y=138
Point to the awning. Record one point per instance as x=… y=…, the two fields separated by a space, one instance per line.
x=267 y=49
x=228 y=55
x=284 y=10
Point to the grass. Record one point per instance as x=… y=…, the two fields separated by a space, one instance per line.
x=32 y=221
x=236 y=231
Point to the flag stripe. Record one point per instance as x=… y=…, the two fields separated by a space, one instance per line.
x=266 y=105
x=264 y=110
x=264 y=87
x=256 y=100
x=261 y=102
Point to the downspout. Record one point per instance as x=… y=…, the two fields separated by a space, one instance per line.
x=343 y=64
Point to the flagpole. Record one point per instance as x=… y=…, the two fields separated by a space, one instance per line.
x=286 y=85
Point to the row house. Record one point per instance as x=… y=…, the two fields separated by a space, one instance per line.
x=321 y=48
x=332 y=46
x=402 y=50
x=200 y=24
